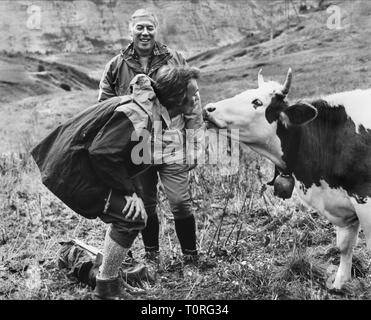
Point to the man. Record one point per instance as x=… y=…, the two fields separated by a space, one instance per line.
x=146 y=55
x=88 y=162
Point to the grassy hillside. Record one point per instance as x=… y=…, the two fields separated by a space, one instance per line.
x=323 y=60
x=265 y=248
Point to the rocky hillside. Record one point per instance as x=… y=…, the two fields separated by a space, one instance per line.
x=101 y=25
x=38 y=91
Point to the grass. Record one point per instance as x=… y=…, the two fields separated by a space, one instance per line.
x=265 y=248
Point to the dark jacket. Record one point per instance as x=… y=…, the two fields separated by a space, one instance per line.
x=82 y=159
x=122 y=68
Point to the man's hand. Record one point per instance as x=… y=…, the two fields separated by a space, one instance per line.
x=134 y=208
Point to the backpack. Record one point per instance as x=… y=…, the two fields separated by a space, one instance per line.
x=63 y=156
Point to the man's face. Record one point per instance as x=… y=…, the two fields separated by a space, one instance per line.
x=144 y=36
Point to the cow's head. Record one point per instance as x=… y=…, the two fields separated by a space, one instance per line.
x=257 y=112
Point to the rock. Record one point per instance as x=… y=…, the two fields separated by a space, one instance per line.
x=70 y=26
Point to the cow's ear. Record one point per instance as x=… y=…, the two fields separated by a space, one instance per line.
x=298 y=114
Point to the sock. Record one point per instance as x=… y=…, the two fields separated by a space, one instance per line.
x=113 y=255
x=186 y=232
x=150 y=233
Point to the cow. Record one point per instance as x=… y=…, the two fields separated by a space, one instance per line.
x=323 y=143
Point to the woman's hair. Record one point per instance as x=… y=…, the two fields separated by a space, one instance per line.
x=171 y=85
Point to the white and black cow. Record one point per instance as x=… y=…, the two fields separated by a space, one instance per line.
x=324 y=143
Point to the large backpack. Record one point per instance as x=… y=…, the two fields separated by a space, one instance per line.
x=62 y=155
x=77 y=133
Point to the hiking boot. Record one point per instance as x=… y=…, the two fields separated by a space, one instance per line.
x=110 y=289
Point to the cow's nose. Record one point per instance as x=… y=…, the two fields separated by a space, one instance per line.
x=210 y=109
x=207 y=110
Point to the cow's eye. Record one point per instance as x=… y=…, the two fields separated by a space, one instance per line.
x=257 y=103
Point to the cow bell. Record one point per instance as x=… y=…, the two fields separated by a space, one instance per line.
x=283 y=186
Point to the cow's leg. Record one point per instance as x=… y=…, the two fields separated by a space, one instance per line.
x=364 y=215
x=346 y=239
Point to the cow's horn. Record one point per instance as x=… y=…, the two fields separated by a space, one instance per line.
x=260 y=78
x=287 y=84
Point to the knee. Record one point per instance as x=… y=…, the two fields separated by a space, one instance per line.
x=179 y=198
x=124 y=237
x=181 y=208
x=347 y=238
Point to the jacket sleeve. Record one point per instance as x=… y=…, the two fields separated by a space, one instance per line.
x=106 y=87
x=108 y=153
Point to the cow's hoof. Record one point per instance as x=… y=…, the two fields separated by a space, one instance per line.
x=346 y=288
x=330 y=283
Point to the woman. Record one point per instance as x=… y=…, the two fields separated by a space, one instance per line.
x=87 y=162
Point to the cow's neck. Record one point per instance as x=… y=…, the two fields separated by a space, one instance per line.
x=268 y=149
x=327 y=149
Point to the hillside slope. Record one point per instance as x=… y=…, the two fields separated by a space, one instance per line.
x=102 y=25
x=323 y=60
